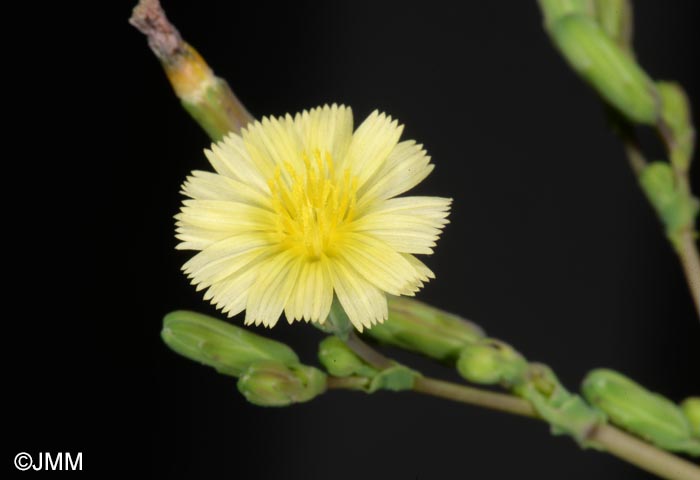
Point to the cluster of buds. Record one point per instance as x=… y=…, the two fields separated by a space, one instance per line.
x=270 y=373
x=594 y=37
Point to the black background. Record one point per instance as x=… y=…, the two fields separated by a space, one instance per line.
x=551 y=247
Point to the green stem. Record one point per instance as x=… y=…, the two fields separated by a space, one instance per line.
x=606 y=437
x=686 y=248
x=347 y=383
x=690 y=260
x=634 y=153
x=474 y=396
x=645 y=456
x=611 y=439
x=367 y=353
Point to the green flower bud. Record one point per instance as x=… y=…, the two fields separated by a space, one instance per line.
x=676 y=115
x=490 y=362
x=615 y=18
x=691 y=409
x=646 y=414
x=553 y=10
x=227 y=348
x=340 y=361
x=274 y=384
x=419 y=327
x=606 y=67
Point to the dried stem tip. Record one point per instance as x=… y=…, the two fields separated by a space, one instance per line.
x=206 y=97
x=149 y=18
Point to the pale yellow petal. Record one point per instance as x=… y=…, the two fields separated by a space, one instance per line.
x=211 y=186
x=231 y=295
x=371 y=145
x=363 y=303
x=294 y=309
x=326 y=129
x=379 y=264
x=230 y=158
x=226 y=258
x=273 y=143
x=195 y=238
x=428 y=207
x=422 y=269
x=406 y=166
x=223 y=216
x=313 y=294
x=407 y=224
x=272 y=288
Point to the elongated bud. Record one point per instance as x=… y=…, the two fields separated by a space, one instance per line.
x=615 y=18
x=676 y=115
x=606 y=67
x=490 y=362
x=691 y=410
x=634 y=408
x=205 y=96
x=340 y=361
x=554 y=10
x=274 y=384
x=419 y=327
x=227 y=348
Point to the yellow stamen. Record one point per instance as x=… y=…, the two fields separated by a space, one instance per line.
x=313 y=205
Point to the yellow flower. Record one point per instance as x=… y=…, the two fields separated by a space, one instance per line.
x=303 y=207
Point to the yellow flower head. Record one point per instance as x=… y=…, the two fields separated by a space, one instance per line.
x=304 y=207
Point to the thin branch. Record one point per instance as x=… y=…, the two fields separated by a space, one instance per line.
x=635 y=157
x=367 y=353
x=690 y=261
x=474 y=396
x=686 y=248
x=346 y=383
x=644 y=455
x=606 y=437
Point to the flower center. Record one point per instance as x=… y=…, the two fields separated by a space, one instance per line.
x=313 y=205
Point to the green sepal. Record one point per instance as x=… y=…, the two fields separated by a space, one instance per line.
x=395 y=379
x=637 y=410
x=609 y=69
x=691 y=409
x=422 y=328
x=553 y=10
x=615 y=18
x=676 y=115
x=676 y=208
x=491 y=362
x=571 y=416
x=227 y=348
x=340 y=361
x=566 y=413
x=274 y=384
x=337 y=322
